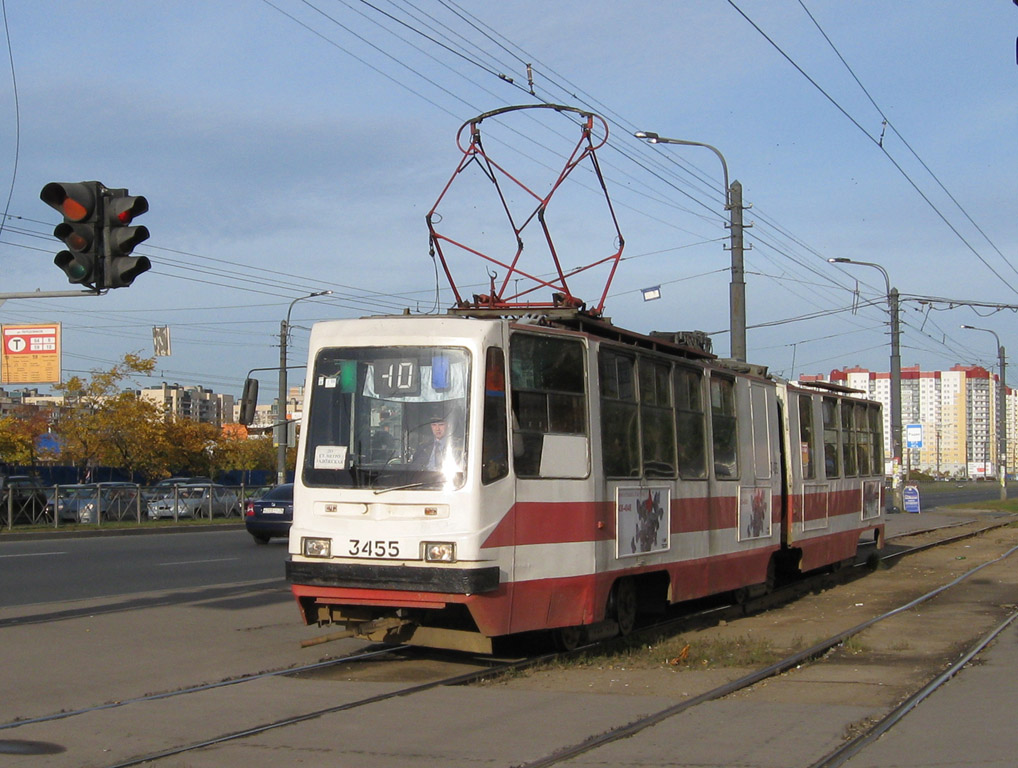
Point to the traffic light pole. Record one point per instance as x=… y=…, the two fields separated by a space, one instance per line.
x=47 y=294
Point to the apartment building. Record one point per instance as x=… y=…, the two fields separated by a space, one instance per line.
x=196 y=403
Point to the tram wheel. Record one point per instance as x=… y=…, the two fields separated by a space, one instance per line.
x=623 y=604
x=568 y=638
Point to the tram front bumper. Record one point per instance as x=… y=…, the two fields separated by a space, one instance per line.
x=463 y=581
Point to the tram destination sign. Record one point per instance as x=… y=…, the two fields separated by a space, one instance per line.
x=30 y=354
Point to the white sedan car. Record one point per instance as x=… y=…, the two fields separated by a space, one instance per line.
x=196 y=500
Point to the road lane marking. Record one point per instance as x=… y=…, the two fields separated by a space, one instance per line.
x=34 y=554
x=194 y=562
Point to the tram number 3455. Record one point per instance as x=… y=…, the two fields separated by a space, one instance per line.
x=372 y=548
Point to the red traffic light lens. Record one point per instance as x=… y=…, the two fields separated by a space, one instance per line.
x=73 y=210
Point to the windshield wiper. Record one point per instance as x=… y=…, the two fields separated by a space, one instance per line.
x=404 y=487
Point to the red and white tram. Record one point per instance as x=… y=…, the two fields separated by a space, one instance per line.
x=466 y=477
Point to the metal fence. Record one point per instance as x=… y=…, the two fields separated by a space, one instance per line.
x=23 y=504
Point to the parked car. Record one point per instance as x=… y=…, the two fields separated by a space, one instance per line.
x=164 y=488
x=59 y=501
x=22 y=496
x=196 y=500
x=81 y=503
x=271 y=514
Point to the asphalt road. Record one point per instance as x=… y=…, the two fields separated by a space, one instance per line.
x=945 y=494
x=66 y=568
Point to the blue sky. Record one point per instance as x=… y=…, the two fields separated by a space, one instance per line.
x=287 y=147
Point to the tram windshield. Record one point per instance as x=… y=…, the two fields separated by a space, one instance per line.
x=388 y=418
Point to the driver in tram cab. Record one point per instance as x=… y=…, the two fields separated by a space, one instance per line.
x=445 y=447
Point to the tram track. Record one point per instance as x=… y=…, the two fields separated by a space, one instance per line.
x=792 y=661
x=856 y=745
x=805 y=656
x=240 y=680
x=459 y=679
x=492 y=670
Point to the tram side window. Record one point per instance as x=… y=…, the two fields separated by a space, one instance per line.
x=865 y=438
x=849 y=439
x=620 y=442
x=658 y=425
x=547 y=379
x=807 y=446
x=494 y=443
x=876 y=430
x=724 y=427
x=831 y=463
x=690 y=423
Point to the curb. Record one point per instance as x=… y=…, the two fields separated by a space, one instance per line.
x=6 y=535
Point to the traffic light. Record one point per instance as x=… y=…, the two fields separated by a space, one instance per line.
x=249 y=401
x=79 y=202
x=119 y=238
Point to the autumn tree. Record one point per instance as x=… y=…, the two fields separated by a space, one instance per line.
x=19 y=436
x=103 y=423
x=16 y=446
x=133 y=435
x=235 y=450
x=191 y=446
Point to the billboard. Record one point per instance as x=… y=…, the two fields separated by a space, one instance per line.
x=30 y=354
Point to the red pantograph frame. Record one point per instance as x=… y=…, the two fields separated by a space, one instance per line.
x=501 y=297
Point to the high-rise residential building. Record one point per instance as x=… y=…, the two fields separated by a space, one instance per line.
x=195 y=403
x=956 y=408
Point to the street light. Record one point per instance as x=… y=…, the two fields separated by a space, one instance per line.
x=892 y=306
x=733 y=204
x=1001 y=413
x=281 y=420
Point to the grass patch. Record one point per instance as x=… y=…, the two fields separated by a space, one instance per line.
x=854 y=646
x=685 y=653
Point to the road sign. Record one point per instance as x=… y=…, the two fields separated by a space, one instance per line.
x=161 y=340
x=30 y=354
x=913 y=435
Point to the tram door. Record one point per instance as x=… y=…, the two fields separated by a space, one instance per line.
x=552 y=465
x=756 y=495
x=816 y=413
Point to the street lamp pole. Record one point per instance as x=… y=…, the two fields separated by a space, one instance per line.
x=1001 y=412
x=892 y=306
x=733 y=204
x=281 y=421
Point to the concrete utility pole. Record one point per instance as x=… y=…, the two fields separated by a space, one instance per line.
x=1001 y=412
x=896 y=442
x=896 y=427
x=282 y=423
x=733 y=204
x=737 y=289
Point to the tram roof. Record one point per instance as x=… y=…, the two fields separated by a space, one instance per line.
x=830 y=386
x=578 y=320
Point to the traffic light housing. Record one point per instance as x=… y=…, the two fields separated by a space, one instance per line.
x=80 y=203
x=249 y=401
x=119 y=238
x=98 y=233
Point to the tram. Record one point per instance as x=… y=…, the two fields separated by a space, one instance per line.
x=471 y=476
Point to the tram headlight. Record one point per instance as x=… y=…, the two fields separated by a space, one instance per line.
x=316 y=547
x=439 y=552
